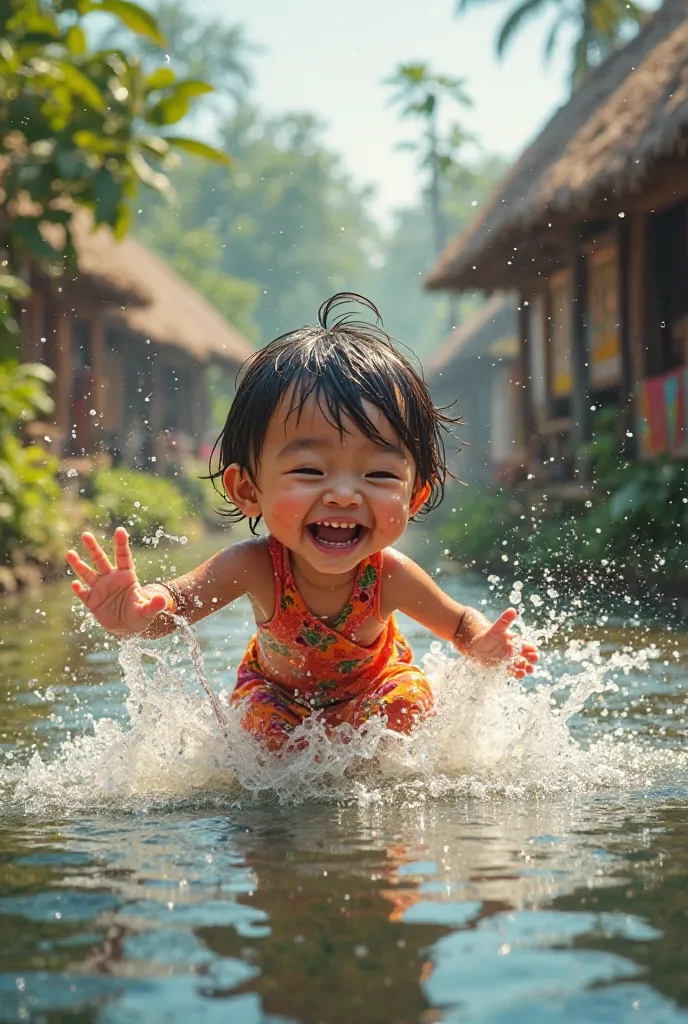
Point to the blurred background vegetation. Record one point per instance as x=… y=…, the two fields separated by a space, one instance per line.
x=264 y=223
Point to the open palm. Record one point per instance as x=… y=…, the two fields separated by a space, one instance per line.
x=498 y=644
x=113 y=594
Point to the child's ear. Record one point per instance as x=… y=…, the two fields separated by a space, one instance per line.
x=418 y=500
x=241 y=490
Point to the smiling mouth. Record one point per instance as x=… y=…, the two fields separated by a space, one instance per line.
x=334 y=534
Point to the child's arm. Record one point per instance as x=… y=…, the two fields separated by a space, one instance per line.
x=413 y=592
x=122 y=605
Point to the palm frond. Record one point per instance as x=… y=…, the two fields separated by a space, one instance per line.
x=514 y=21
x=552 y=39
x=580 y=64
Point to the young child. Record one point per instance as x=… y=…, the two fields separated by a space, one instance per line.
x=334 y=442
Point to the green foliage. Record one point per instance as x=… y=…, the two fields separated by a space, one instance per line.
x=606 y=450
x=287 y=226
x=74 y=122
x=204 y=48
x=197 y=256
x=408 y=250
x=143 y=503
x=418 y=92
x=23 y=394
x=75 y=128
x=598 y=27
x=30 y=497
x=637 y=521
x=31 y=513
x=473 y=524
x=287 y=220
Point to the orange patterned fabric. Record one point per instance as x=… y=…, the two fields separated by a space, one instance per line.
x=296 y=665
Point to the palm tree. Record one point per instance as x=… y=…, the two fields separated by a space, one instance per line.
x=418 y=93
x=599 y=27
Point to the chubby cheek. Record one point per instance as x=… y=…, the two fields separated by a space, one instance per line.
x=391 y=513
x=288 y=510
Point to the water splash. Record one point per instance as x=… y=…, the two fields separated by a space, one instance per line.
x=491 y=736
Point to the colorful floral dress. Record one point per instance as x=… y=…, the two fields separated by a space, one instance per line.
x=296 y=665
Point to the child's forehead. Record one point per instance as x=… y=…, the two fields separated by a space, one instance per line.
x=312 y=418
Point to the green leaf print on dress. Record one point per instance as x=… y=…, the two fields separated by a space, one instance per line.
x=275 y=645
x=315 y=637
x=347 y=666
x=344 y=614
x=323 y=696
x=367 y=577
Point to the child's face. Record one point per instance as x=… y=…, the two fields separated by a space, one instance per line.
x=310 y=476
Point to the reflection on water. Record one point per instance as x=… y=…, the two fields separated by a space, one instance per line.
x=393 y=899
x=484 y=912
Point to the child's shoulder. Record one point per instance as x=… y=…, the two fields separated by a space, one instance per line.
x=250 y=557
x=394 y=562
x=394 y=571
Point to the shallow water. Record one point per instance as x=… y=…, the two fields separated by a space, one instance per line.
x=525 y=858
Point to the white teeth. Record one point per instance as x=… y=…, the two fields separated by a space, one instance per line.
x=337 y=525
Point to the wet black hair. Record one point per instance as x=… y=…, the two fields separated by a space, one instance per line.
x=342 y=362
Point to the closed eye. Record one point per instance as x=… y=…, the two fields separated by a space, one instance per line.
x=306 y=471
x=382 y=474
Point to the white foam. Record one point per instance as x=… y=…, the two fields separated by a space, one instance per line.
x=491 y=736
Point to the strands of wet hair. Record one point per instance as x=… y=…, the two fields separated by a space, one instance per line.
x=342 y=363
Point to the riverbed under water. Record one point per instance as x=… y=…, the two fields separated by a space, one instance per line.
x=523 y=858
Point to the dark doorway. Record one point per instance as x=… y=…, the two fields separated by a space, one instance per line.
x=667 y=289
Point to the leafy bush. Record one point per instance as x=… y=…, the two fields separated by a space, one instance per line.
x=143 y=503
x=31 y=513
x=475 y=523
x=200 y=494
x=637 y=518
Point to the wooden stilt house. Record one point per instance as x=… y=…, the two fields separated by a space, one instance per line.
x=129 y=342
x=590 y=228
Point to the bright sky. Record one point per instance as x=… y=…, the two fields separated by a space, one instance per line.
x=331 y=56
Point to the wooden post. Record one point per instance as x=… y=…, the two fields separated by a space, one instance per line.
x=99 y=395
x=637 y=305
x=627 y=384
x=525 y=405
x=31 y=324
x=156 y=417
x=581 y=426
x=64 y=370
x=200 y=404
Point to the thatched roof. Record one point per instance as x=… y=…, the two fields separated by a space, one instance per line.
x=627 y=116
x=493 y=331
x=106 y=262
x=154 y=301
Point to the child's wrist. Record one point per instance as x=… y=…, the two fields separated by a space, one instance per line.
x=471 y=625
x=176 y=601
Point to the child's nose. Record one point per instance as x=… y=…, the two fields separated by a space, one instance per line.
x=342 y=494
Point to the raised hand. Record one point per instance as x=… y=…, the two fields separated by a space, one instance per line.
x=499 y=644
x=114 y=595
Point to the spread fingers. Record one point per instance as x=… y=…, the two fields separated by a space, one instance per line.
x=100 y=559
x=81 y=591
x=123 y=556
x=81 y=568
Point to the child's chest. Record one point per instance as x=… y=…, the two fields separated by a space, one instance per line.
x=351 y=611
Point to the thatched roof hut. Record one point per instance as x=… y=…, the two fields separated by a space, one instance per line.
x=627 y=119
x=155 y=302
